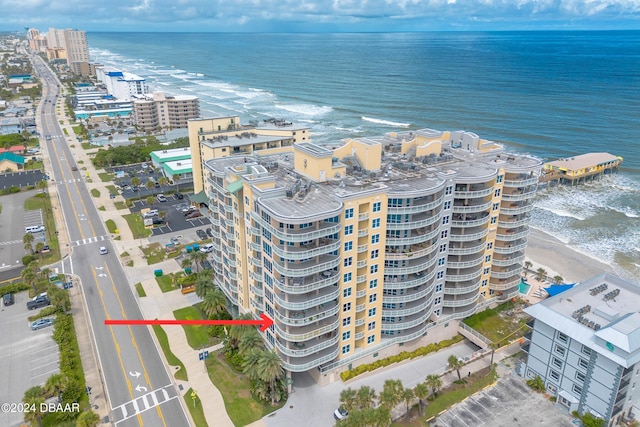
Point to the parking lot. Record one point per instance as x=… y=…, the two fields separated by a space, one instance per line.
x=510 y=403
x=28 y=357
x=144 y=172
x=13 y=220
x=174 y=217
x=21 y=179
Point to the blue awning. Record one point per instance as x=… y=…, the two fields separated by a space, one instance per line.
x=554 y=290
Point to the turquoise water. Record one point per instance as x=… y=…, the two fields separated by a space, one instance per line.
x=524 y=287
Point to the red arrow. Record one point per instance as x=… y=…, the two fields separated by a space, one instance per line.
x=264 y=323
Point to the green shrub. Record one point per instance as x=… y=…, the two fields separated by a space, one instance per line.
x=27 y=259
x=14 y=288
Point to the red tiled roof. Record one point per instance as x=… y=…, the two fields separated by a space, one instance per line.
x=13 y=149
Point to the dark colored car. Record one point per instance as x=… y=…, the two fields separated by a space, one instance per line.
x=201 y=234
x=8 y=299
x=194 y=214
x=39 y=302
x=179 y=196
x=209 y=232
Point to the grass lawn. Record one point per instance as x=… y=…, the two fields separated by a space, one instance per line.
x=102 y=208
x=66 y=132
x=111 y=226
x=195 y=407
x=140 y=290
x=112 y=189
x=32 y=164
x=42 y=201
x=166 y=282
x=181 y=372
x=197 y=336
x=504 y=323
x=242 y=408
x=106 y=177
x=95 y=192
x=120 y=205
x=154 y=253
x=87 y=146
x=137 y=226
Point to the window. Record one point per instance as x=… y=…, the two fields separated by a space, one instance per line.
x=372 y=312
x=348 y=213
x=443 y=248
x=583 y=363
x=487 y=258
x=496 y=206
x=485 y=282
x=444 y=233
x=580 y=376
x=373 y=269
x=554 y=375
x=371 y=326
x=373 y=283
x=439 y=287
x=489 y=245
x=556 y=362
x=376 y=207
x=486 y=270
x=348 y=230
x=448 y=190
x=499 y=179
x=440 y=274
x=437 y=301
x=346 y=306
x=494 y=219
x=497 y=193
x=375 y=253
x=562 y=337
x=441 y=261
x=587 y=351
x=346 y=349
x=348 y=261
x=370 y=339
x=346 y=278
x=577 y=389
x=346 y=336
x=375 y=223
x=560 y=350
x=346 y=321
x=445 y=219
x=346 y=293
x=375 y=238
x=447 y=205
x=373 y=297
x=348 y=246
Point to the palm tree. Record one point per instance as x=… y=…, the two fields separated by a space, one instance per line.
x=44 y=273
x=527 y=265
x=421 y=391
x=199 y=258
x=186 y=263
x=203 y=286
x=39 y=248
x=407 y=397
x=270 y=371
x=27 y=239
x=365 y=397
x=56 y=384
x=88 y=419
x=58 y=297
x=150 y=200
x=557 y=279
x=251 y=362
x=29 y=275
x=434 y=382
x=235 y=333
x=348 y=399
x=135 y=181
x=214 y=302
x=250 y=339
x=391 y=394
x=455 y=363
x=163 y=181
x=149 y=185
x=33 y=398
x=541 y=274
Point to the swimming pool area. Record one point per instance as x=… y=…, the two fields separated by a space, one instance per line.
x=524 y=287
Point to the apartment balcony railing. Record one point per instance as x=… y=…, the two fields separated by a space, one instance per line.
x=509 y=261
x=471 y=223
x=416 y=208
x=305 y=301
x=449 y=290
x=419 y=279
x=469 y=237
x=516 y=210
x=306 y=317
x=361 y=293
x=459 y=303
x=308 y=332
x=413 y=267
x=413 y=252
x=360 y=308
x=317 y=360
x=302 y=252
x=414 y=224
x=362 y=248
x=309 y=267
x=509 y=249
x=513 y=224
x=468 y=263
x=463 y=277
x=501 y=286
x=360 y=321
x=472 y=207
x=521 y=183
x=420 y=238
x=257 y=290
x=409 y=296
x=454 y=250
x=299 y=286
x=326 y=229
x=406 y=323
x=407 y=311
x=359 y=335
x=509 y=237
x=470 y=194
x=363 y=216
x=362 y=263
x=506 y=274
x=361 y=279
x=363 y=232
x=302 y=349
x=516 y=197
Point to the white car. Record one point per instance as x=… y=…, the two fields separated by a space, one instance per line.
x=340 y=413
x=103 y=250
x=207 y=248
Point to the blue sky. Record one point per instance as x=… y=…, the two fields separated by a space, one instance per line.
x=320 y=15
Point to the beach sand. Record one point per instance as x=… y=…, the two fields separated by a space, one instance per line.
x=557 y=258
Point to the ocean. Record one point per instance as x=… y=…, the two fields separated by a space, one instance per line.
x=548 y=94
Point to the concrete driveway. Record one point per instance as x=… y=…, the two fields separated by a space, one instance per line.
x=12 y=222
x=28 y=357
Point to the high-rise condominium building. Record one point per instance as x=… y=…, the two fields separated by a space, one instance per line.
x=74 y=42
x=159 y=111
x=585 y=345
x=369 y=245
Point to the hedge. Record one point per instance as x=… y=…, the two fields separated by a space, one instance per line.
x=422 y=351
x=14 y=288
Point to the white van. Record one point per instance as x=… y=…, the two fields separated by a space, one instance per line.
x=34 y=229
x=150 y=214
x=207 y=248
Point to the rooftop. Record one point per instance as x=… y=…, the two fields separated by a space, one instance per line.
x=184 y=152
x=601 y=313
x=584 y=161
x=245 y=138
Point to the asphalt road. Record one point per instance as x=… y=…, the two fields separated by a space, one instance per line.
x=139 y=388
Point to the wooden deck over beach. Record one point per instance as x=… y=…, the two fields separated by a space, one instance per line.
x=578 y=169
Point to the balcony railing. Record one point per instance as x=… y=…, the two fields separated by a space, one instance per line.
x=459 y=303
x=521 y=183
x=415 y=208
x=461 y=290
x=361 y=279
x=516 y=197
x=405 y=284
x=517 y=210
x=468 y=237
x=463 y=277
x=360 y=321
x=363 y=216
x=363 y=232
x=414 y=224
x=509 y=249
x=505 y=285
x=307 y=268
x=471 y=223
x=297 y=253
x=507 y=262
x=464 y=264
x=472 y=208
x=512 y=236
x=467 y=250
x=420 y=238
x=408 y=310
x=408 y=297
x=506 y=274
x=306 y=318
x=398 y=326
x=413 y=252
x=412 y=268
x=328 y=294
x=362 y=248
x=304 y=286
x=513 y=224
x=304 y=350
x=464 y=194
x=309 y=365
x=302 y=235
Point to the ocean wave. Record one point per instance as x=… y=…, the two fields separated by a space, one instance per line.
x=385 y=122
x=305 y=109
x=353 y=130
x=561 y=212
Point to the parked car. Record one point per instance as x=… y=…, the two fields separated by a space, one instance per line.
x=340 y=413
x=201 y=234
x=157 y=221
x=194 y=214
x=188 y=209
x=8 y=299
x=103 y=250
x=179 y=196
x=206 y=248
x=161 y=198
x=209 y=232
x=41 y=323
x=38 y=302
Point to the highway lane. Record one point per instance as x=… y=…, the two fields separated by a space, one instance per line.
x=139 y=388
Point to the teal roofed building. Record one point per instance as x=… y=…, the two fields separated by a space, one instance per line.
x=179 y=171
x=11 y=162
x=158 y=158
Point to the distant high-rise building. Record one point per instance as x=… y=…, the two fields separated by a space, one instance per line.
x=159 y=111
x=37 y=42
x=74 y=42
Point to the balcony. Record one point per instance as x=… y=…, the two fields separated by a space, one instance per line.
x=465 y=262
x=509 y=249
x=407 y=323
x=473 y=222
x=322 y=229
x=257 y=290
x=307 y=317
x=506 y=273
x=307 y=268
x=503 y=285
x=362 y=263
x=416 y=251
x=413 y=266
x=360 y=308
x=311 y=361
x=467 y=237
x=418 y=238
x=307 y=300
x=409 y=308
x=513 y=234
x=308 y=332
x=514 y=224
x=460 y=302
x=463 y=277
x=308 y=284
x=521 y=183
x=360 y=321
x=359 y=335
x=497 y=262
x=305 y=251
x=459 y=290
x=411 y=294
x=518 y=196
x=362 y=248
x=472 y=193
x=414 y=280
x=426 y=205
x=471 y=207
x=361 y=279
x=361 y=293
x=363 y=216
x=296 y=349
x=414 y=224
x=363 y=232
x=467 y=249
x=514 y=209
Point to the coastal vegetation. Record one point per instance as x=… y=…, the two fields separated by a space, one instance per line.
x=502 y=324
x=137 y=152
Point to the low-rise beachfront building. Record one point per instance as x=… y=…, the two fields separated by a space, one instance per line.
x=121 y=84
x=585 y=345
x=159 y=111
x=358 y=249
x=579 y=169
